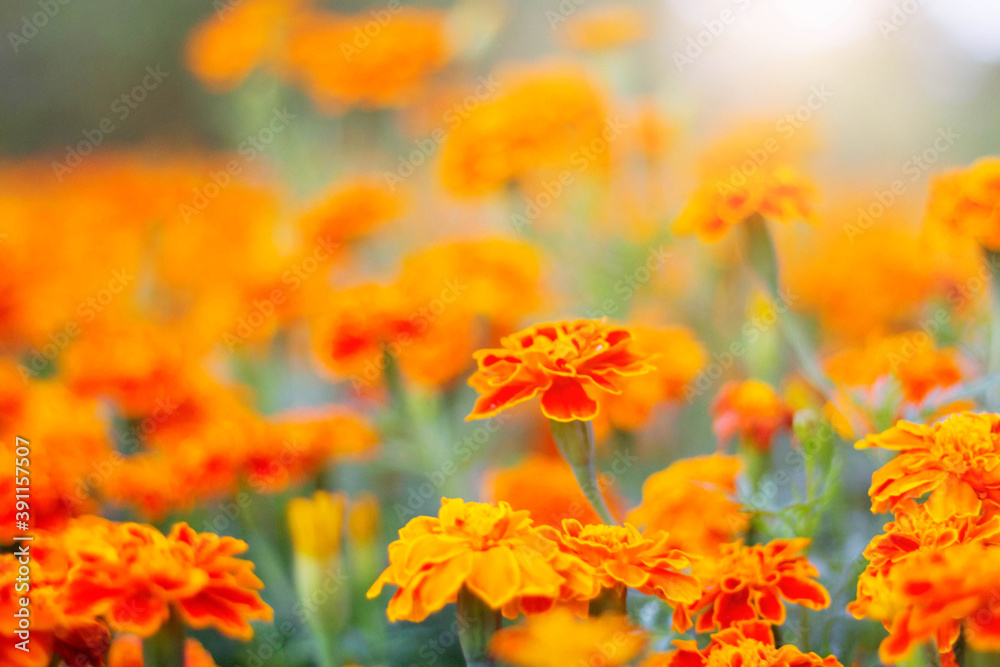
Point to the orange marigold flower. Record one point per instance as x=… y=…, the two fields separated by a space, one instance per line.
x=679 y=357
x=752 y=410
x=968 y=201
x=746 y=643
x=558 y=638
x=389 y=71
x=223 y=50
x=493 y=551
x=694 y=500
x=135 y=577
x=911 y=358
x=779 y=194
x=565 y=362
x=546 y=487
x=539 y=121
x=605 y=28
x=352 y=209
x=750 y=582
x=622 y=557
x=126 y=651
x=934 y=594
x=957 y=461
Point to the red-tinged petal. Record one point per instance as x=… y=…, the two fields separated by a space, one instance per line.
x=805 y=592
x=566 y=401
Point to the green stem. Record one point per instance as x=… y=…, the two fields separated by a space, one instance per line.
x=575 y=440
x=476 y=625
x=610 y=601
x=166 y=647
x=993 y=363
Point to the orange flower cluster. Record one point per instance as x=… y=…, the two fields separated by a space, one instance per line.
x=567 y=363
x=932 y=574
x=545 y=120
x=745 y=643
x=365 y=60
x=753 y=411
x=557 y=638
x=774 y=193
x=694 y=500
x=752 y=582
x=967 y=201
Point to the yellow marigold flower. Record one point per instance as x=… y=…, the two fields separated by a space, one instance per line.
x=968 y=201
x=223 y=50
x=567 y=363
x=491 y=550
x=352 y=209
x=126 y=651
x=622 y=557
x=558 y=638
x=694 y=500
x=750 y=582
x=746 y=643
x=957 y=461
x=315 y=524
x=910 y=357
x=544 y=118
x=387 y=69
x=135 y=577
x=775 y=193
x=606 y=27
x=546 y=487
x=751 y=409
x=678 y=358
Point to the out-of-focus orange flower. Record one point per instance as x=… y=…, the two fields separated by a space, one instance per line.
x=70 y=455
x=746 y=643
x=364 y=323
x=224 y=49
x=909 y=357
x=654 y=133
x=968 y=201
x=546 y=118
x=752 y=410
x=694 y=500
x=135 y=577
x=606 y=27
x=352 y=209
x=750 y=582
x=622 y=557
x=779 y=193
x=126 y=651
x=933 y=594
x=356 y=60
x=493 y=551
x=678 y=359
x=565 y=362
x=294 y=445
x=496 y=278
x=558 y=638
x=957 y=461
x=546 y=487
